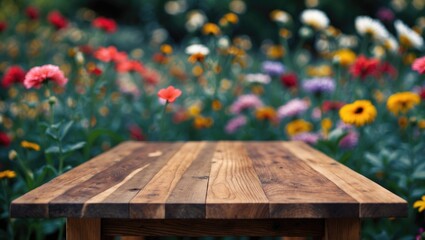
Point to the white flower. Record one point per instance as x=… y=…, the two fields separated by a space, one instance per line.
x=280 y=16
x=407 y=36
x=315 y=18
x=257 y=78
x=197 y=49
x=366 y=25
x=195 y=20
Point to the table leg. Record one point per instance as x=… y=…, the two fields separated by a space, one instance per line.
x=83 y=229
x=348 y=229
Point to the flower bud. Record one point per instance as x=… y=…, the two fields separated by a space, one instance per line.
x=12 y=154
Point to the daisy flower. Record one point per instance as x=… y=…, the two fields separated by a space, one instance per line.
x=298 y=126
x=315 y=19
x=257 y=78
x=372 y=27
x=407 y=36
x=197 y=52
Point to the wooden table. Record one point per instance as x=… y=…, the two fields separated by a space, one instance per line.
x=211 y=189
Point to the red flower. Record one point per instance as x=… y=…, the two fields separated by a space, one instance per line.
x=169 y=94
x=332 y=106
x=86 y=49
x=136 y=133
x=95 y=70
x=57 y=20
x=4 y=139
x=364 y=67
x=150 y=76
x=421 y=93
x=130 y=65
x=32 y=12
x=289 y=80
x=39 y=75
x=110 y=54
x=3 y=26
x=14 y=74
x=387 y=68
x=159 y=58
x=419 y=65
x=106 y=24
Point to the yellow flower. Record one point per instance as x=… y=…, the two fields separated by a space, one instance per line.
x=265 y=113
x=194 y=110
x=298 y=126
x=420 y=204
x=402 y=102
x=216 y=105
x=319 y=71
x=229 y=18
x=358 y=113
x=326 y=124
x=202 y=122
x=30 y=145
x=7 y=174
x=211 y=29
x=345 y=57
x=275 y=51
x=166 y=49
x=421 y=124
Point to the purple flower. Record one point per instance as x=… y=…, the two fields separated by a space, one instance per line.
x=307 y=137
x=245 y=102
x=235 y=123
x=292 y=108
x=350 y=140
x=273 y=68
x=319 y=85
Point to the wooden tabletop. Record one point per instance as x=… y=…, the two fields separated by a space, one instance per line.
x=210 y=180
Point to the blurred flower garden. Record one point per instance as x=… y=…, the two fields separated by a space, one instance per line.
x=75 y=83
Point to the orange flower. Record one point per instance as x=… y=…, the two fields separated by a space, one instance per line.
x=169 y=94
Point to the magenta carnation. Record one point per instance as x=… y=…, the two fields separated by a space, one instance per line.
x=292 y=108
x=235 y=123
x=419 y=65
x=39 y=75
x=245 y=102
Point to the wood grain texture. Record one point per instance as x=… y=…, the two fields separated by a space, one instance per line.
x=292 y=186
x=234 y=190
x=213 y=227
x=83 y=229
x=150 y=201
x=36 y=202
x=210 y=180
x=374 y=200
x=347 y=229
x=89 y=198
x=187 y=200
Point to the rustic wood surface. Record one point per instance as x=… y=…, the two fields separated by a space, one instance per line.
x=210 y=180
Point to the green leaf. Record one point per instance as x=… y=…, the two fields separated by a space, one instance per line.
x=73 y=147
x=52 y=149
x=65 y=129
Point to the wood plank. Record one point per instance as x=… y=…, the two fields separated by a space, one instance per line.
x=292 y=186
x=91 y=198
x=347 y=229
x=234 y=190
x=35 y=203
x=150 y=201
x=213 y=227
x=83 y=229
x=187 y=200
x=375 y=201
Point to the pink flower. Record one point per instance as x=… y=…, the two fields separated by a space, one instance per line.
x=292 y=108
x=235 y=123
x=170 y=94
x=14 y=74
x=245 y=102
x=307 y=137
x=350 y=140
x=39 y=75
x=419 y=65
x=108 y=54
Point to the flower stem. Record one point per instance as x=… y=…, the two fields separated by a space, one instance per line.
x=161 y=125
